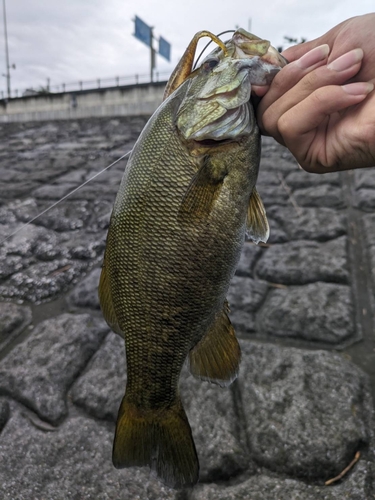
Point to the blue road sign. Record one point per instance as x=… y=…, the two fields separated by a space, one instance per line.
x=164 y=48
x=142 y=31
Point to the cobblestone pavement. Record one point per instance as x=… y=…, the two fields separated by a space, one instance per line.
x=303 y=306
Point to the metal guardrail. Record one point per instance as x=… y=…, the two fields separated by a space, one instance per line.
x=86 y=85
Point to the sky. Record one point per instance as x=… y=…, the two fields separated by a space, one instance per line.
x=79 y=40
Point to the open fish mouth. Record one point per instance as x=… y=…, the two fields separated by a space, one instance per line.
x=216 y=104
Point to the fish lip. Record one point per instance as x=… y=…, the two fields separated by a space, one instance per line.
x=274 y=57
x=209 y=143
x=262 y=72
x=206 y=146
x=271 y=56
x=252 y=64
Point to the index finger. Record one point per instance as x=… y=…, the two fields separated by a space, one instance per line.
x=296 y=51
x=292 y=73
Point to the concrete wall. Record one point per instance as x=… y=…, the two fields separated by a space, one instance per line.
x=141 y=99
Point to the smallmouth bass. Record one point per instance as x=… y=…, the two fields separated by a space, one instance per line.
x=186 y=200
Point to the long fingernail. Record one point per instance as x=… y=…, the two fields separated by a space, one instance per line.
x=314 y=56
x=347 y=60
x=358 y=88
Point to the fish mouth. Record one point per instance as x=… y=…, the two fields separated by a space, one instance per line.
x=247 y=45
x=210 y=143
x=216 y=108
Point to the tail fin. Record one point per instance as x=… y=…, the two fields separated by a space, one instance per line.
x=161 y=439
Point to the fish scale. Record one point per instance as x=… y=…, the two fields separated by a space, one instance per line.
x=175 y=237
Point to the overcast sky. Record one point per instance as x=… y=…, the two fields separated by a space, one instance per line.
x=73 y=40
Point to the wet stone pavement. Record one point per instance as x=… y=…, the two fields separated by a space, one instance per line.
x=303 y=306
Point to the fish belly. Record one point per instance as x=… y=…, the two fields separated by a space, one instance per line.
x=168 y=280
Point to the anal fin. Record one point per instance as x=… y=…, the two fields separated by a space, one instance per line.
x=217 y=355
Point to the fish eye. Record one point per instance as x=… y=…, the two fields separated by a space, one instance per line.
x=210 y=64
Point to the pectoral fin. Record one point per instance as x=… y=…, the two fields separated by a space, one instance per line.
x=202 y=192
x=217 y=356
x=257 y=227
x=106 y=304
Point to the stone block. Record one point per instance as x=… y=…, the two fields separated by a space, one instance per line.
x=319 y=312
x=307 y=413
x=39 y=371
x=302 y=262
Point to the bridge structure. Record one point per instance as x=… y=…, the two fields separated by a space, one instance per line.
x=119 y=100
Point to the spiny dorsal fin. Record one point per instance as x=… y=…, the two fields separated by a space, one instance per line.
x=217 y=356
x=106 y=304
x=257 y=227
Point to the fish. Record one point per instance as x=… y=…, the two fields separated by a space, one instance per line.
x=186 y=201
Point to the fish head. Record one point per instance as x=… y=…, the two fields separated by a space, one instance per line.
x=215 y=105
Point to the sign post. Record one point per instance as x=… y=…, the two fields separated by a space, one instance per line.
x=7 y=75
x=145 y=34
x=164 y=48
x=153 y=62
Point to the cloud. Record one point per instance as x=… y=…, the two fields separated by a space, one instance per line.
x=85 y=40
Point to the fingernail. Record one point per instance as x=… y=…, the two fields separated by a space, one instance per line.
x=313 y=57
x=358 y=88
x=347 y=60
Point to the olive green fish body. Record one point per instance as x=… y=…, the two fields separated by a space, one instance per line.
x=169 y=275
x=186 y=200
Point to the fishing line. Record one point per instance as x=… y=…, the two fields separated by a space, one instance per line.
x=64 y=197
x=99 y=173
x=222 y=33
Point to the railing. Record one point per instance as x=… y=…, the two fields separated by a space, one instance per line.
x=86 y=85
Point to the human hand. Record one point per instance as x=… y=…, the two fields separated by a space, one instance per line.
x=357 y=32
x=321 y=105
